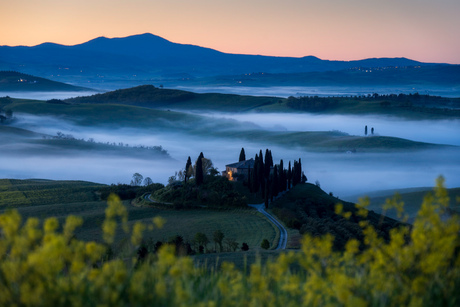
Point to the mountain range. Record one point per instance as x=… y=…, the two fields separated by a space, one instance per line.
x=150 y=57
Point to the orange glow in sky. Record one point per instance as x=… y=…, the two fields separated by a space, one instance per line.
x=423 y=30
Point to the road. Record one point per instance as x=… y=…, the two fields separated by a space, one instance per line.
x=261 y=208
x=283 y=233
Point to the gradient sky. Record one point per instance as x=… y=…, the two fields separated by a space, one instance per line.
x=423 y=30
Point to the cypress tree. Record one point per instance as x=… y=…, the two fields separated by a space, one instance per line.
x=267 y=163
x=295 y=169
x=255 y=175
x=282 y=180
x=261 y=174
x=299 y=172
x=242 y=155
x=187 y=169
x=289 y=176
x=199 y=170
x=275 y=183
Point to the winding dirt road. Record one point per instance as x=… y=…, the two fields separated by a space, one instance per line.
x=283 y=232
x=261 y=208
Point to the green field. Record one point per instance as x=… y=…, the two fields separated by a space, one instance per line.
x=407 y=106
x=38 y=192
x=46 y=198
x=412 y=201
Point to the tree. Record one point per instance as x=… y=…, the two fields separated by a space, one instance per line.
x=244 y=247
x=289 y=176
x=372 y=130
x=218 y=236
x=255 y=176
x=365 y=130
x=148 y=181
x=304 y=178
x=207 y=166
x=188 y=169
x=137 y=179
x=282 y=177
x=275 y=182
x=242 y=155
x=199 y=177
x=201 y=239
x=232 y=245
x=265 y=244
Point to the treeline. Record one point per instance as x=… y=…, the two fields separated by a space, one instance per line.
x=128 y=191
x=414 y=101
x=200 y=244
x=199 y=185
x=62 y=136
x=315 y=214
x=269 y=180
x=136 y=95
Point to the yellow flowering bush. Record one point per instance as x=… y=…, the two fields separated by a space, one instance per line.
x=45 y=265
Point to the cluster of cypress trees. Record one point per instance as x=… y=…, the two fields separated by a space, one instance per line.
x=197 y=172
x=270 y=179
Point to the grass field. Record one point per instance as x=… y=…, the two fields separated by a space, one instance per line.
x=412 y=201
x=38 y=192
x=46 y=198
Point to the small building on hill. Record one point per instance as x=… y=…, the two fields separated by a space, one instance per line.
x=239 y=170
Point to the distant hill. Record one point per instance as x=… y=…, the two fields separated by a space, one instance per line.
x=437 y=75
x=15 y=81
x=153 y=97
x=410 y=106
x=149 y=57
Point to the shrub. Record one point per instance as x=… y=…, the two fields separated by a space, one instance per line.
x=419 y=266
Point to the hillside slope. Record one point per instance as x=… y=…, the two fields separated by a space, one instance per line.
x=16 y=81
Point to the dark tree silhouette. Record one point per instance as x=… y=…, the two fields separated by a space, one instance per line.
x=289 y=176
x=282 y=177
x=188 y=169
x=372 y=130
x=275 y=182
x=199 y=177
x=218 y=237
x=265 y=244
x=242 y=155
x=365 y=130
x=255 y=176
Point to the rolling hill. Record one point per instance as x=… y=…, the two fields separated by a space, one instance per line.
x=13 y=81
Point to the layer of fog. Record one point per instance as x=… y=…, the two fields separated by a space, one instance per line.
x=47 y=95
x=430 y=131
x=340 y=173
x=277 y=91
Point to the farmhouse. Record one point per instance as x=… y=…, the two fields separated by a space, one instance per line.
x=239 y=170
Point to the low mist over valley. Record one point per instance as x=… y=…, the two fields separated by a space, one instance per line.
x=107 y=143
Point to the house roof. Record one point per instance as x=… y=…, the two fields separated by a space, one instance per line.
x=243 y=164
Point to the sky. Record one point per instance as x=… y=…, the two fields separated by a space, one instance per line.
x=423 y=30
